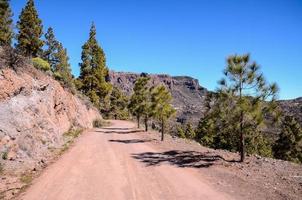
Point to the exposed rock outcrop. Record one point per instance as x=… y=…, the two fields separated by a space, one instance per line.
x=35 y=112
x=292 y=107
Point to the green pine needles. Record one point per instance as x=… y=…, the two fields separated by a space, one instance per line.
x=6 y=24
x=289 y=144
x=236 y=121
x=94 y=73
x=30 y=31
x=151 y=102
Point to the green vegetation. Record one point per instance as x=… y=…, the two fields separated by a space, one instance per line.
x=56 y=55
x=140 y=103
x=180 y=132
x=26 y=178
x=30 y=31
x=149 y=102
x=241 y=104
x=6 y=24
x=4 y=155
x=93 y=73
x=41 y=64
x=73 y=133
x=69 y=137
x=51 y=50
x=289 y=144
x=161 y=106
x=237 y=115
x=189 y=131
x=62 y=68
x=99 y=123
x=118 y=105
x=1 y=169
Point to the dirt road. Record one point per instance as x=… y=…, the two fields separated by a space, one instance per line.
x=102 y=165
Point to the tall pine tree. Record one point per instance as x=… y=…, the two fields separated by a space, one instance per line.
x=6 y=32
x=139 y=104
x=161 y=106
x=94 y=73
x=62 y=67
x=51 y=50
x=244 y=98
x=30 y=31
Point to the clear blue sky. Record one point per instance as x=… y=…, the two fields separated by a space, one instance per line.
x=184 y=37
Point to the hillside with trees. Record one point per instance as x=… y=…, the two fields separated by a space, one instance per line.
x=44 y=107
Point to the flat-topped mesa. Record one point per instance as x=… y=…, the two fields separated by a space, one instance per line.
x=188 y=95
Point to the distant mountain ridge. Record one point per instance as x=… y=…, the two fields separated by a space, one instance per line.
x=188 y=96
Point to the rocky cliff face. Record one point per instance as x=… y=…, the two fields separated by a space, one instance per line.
x=188 y=95
x=35 y=111
x=292 y=107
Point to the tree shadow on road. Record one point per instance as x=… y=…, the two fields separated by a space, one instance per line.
x=121 y=129
x=191 y=159
x=133 y=141
x=112 y=131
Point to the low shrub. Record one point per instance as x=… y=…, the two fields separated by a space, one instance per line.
x=1 y=169
x=99 y=123
x=181 y=132
x=4 y=155
x=73 y=133
x=41 y=64
x=26 y=178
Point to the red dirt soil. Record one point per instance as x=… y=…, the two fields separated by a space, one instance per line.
x=101 y=165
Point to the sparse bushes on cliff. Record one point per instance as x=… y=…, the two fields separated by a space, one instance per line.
x=10 y=58
x=41 y=64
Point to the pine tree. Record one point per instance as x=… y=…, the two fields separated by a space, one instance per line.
x=118 y=105
x=6 y=23
x=180 y=131
x=189 y=131
x=289 y=144
x=140 y=100
x=244 y=92
x=94 y=73
x=62 y=68
x=51 y=50
x=161 y=106
x=30 y=31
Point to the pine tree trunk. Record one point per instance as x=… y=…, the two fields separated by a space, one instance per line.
x=146 y=124
x=242 y=145
x=162 y=129
x=138 y=121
